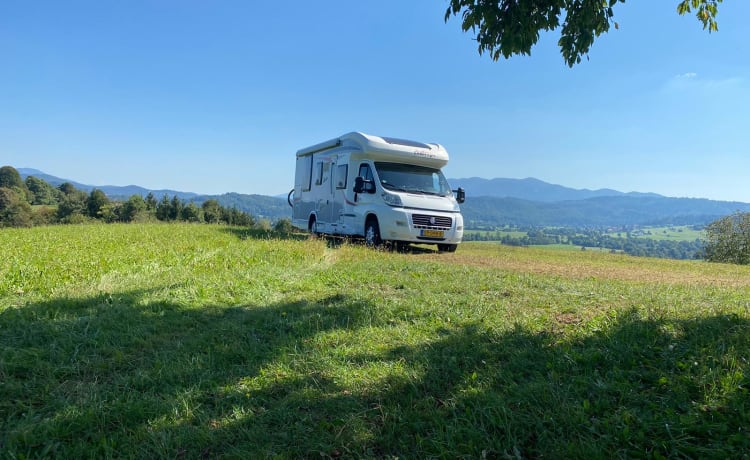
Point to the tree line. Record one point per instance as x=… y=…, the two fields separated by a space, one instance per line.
x=36 y=202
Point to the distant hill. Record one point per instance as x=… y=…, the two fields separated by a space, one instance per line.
x=533 y=190
x=625 y=210
x=112 y=191
x=259 y=206
x=493 y=202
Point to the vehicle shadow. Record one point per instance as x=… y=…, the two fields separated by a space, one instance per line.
x=332 y=242
x=247 y=233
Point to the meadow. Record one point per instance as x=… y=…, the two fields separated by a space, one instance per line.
x=203 y=341
x=670 y=233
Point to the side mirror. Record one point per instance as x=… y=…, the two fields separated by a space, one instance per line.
x=362 y=185
x=460 y=195
x=359 y=184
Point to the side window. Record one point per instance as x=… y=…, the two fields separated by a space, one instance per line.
x=318 y=173
x=341 y=172
x=326 y=174
x=307 y=173
x=365 y=172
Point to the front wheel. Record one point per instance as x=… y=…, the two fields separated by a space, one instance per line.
x=312 y=226
x=372 y=233
x=447 y=247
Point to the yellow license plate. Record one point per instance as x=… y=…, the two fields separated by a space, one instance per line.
x=433 y=233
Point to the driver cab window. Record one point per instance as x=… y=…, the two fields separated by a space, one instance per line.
x=365 y=172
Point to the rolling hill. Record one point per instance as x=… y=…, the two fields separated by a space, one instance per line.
x=532 y=189
x=493 y=202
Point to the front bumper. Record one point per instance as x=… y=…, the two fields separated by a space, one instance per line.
x=422 y=226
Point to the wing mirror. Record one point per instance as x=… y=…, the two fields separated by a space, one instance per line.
x=460 y=195
x=362 y=185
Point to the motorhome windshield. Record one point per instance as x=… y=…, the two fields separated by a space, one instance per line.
x=412 y=178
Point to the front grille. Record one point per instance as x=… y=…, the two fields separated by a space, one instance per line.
x=427 y=222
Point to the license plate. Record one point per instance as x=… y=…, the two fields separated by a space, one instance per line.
x=433 y=233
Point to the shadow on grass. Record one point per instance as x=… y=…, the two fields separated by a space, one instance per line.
x=332 y=242
x=117 y=376
x=245 y=233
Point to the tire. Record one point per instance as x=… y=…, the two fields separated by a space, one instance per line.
x=313 y=227
x=372 y=233
x=447 y=247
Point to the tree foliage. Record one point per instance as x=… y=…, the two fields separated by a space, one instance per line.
x=510 y=27
x=42 y=192
x=67 y=204
x=10 y=178
x=134 y=208
x=211 y=211
x=728 y=239
x=15 y=211
x=191 y=213
x=95 y=203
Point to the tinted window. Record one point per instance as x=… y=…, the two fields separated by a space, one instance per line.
x=341 y=172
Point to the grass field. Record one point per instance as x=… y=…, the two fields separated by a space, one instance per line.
x=196 y=341
x=676 y=233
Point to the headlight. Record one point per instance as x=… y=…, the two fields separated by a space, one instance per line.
x=392 y=199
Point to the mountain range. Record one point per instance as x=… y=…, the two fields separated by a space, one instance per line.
x=492 y=202
x=533 y=190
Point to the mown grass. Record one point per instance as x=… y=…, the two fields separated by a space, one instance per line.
x=191 y=341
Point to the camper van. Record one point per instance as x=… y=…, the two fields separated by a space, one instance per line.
x=379 y=188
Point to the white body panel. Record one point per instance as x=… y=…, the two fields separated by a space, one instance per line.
x=325 y=202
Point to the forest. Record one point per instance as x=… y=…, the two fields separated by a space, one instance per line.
x=33 y=202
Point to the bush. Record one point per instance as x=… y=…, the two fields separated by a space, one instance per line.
x=44 y=215
x=15 y=211
x=728 y=239
x=283 y=226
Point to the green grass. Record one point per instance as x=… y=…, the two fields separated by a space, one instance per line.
x=195 y=341
x=675 y=233
x=570 y=247
x=498 y=233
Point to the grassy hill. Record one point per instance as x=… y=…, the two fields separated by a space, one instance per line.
x=197 y=341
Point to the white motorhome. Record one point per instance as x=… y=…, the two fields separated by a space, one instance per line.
x=380 y=188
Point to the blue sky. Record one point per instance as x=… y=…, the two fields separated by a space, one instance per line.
x=215 y=97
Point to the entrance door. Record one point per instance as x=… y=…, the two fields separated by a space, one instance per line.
x=342 y=212
x=325 y=198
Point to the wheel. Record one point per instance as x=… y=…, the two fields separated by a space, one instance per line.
x=313 y=226
x=447 y=247
x=372 y=233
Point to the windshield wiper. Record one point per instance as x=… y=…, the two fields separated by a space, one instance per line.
x=411 y=190
x=396 y=189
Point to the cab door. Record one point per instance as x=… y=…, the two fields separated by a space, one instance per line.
x=366 y=200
